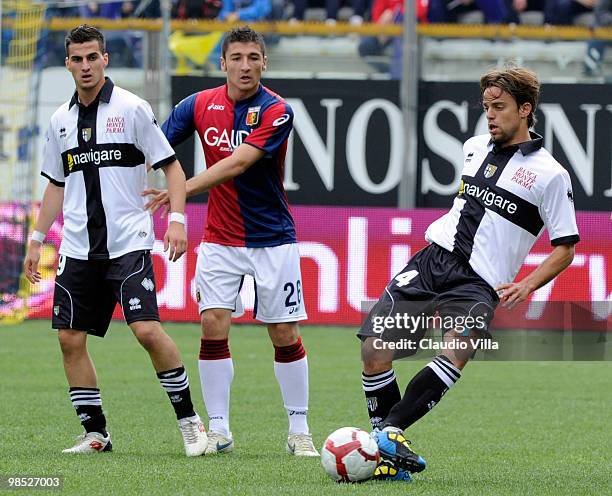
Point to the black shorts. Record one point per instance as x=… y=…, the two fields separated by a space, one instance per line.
x=87 y=291
x=436 y=290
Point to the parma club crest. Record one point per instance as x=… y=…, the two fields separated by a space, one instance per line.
x=490 y=170
x=86 y=133
x=252 y=117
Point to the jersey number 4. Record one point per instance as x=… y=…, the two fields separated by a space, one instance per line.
x=404 y=278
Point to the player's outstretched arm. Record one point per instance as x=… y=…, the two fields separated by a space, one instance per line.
x=243 y=157
x=51 y=205
x=516 y=292
x=175 y=239
x=228 y=168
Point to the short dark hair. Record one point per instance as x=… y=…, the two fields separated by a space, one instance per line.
x=522 y=84
x=83 y=34
x=243 y=34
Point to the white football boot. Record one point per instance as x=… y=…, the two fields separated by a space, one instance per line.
x=194 y=435
x=91 y=442
x=219 y=443
x=301 y=445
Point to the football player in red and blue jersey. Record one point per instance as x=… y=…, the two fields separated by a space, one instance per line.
x=244 y=127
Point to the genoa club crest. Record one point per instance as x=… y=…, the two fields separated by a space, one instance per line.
x=490 y=170
x=252 y=117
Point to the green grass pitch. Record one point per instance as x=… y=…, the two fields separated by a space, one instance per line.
x=511 y=428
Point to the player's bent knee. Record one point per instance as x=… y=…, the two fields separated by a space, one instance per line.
x=460 y=363
x=375 y=360
x=149 y=333
x=72 y=341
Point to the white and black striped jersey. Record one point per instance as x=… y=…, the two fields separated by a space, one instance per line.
x=506 y=199
x=99 y=154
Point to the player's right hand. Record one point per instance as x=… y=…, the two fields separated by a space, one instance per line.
x=30 y=263
x=175 y=241
x=159 y=199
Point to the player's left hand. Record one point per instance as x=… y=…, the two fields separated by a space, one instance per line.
x=175 y=241
x=512 y=294
x=30 y=263
x=160 y=199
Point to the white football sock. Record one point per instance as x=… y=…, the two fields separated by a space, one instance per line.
x=292 y=378
x=216 y=378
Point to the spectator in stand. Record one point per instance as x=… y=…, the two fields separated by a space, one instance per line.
x=148 y=9
x=245 y=10
x=300 y=6
x=196 y=9
x=127 y=9
x=547 y=7
x=360 y=8
x=593 y=59
x=109 y=10
x=565 y=12
x=445 y=11
x=383 y=12
x=388 y=12
x=61 y=8
x=118 y=10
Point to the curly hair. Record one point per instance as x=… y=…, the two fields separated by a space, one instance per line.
x=522 y=84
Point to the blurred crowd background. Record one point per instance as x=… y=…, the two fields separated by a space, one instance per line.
x=381 y=54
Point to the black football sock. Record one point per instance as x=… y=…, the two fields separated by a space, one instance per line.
x=382 y=392
x=176 y=384
x=88 y=405
x=423 y=392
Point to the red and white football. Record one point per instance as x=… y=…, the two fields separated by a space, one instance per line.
x=350 y=455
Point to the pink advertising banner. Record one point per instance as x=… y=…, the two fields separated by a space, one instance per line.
x=350 y=254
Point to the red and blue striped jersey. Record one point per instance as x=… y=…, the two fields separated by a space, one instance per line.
x=250 y=209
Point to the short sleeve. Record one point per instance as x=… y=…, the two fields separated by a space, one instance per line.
x=180 y=124
x=52 y=167
x=276 y=124
x=150 y=139
x=557 y=211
